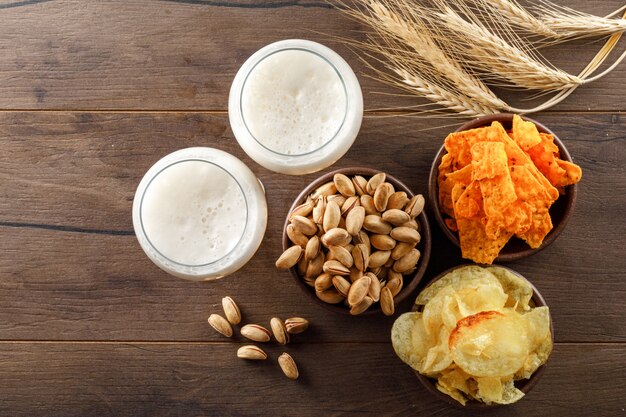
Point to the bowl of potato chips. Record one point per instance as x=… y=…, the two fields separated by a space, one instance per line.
x=502 y=187
x=477 y=336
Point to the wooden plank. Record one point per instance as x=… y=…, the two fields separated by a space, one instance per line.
x=71 y=268
x=184 y=54
x=336 y=379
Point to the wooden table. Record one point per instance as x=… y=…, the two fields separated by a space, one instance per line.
x=93 y=93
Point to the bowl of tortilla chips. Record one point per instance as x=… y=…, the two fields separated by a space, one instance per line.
x=502 y=187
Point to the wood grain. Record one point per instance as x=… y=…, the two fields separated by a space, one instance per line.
x=64 y=54
x=72 y=269
x=197 y=379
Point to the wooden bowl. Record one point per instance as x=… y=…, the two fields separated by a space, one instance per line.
x=560 y=211
x=525 y=385
x=411 y=281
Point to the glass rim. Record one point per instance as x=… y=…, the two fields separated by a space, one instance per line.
x=168 y=259
x=343 y=85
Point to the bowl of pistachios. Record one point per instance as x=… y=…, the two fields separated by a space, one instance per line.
x=357 y=241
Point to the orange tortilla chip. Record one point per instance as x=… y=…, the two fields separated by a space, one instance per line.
x=488 y=160
x=573 y=173
x=538 y=230
x=518 y=157
x=463 y=176
x=530 y=191
x=525 y=133
x=548 y=139
x=451 y=224
x=545 y=161
x=515 y=219
x=468 y=203
x=476 y=245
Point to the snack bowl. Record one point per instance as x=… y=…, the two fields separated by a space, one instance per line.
x=410 y=280
x=560 y=211
x=524 y=385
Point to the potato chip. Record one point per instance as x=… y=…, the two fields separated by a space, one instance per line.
x=510 y=393
x=525 y=133
x=518 y=290
x=490 y=344
x=538 y=329
x=490 y=389
x=452 y=392
x=438 y=357
x=488 y=160
x=410 y=340
x=457 y=279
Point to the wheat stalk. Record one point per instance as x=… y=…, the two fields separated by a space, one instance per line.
x=449 y=59
x=568 y=23
x=511 y=61
x=412 y=53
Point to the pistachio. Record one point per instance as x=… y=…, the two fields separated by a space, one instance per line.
x=289 y=258
x=319 y=209
x=304 y=225
x=415 y=206
x=296 y=237
x=361 y=306
x=251 y=352
x=342 y=254
x=332 y=215
x=296 y=325
x=361 y=256
x=407 y=262
x=375 y=224
x=374 y=182
x=381 y=196
x=288 y=365
x=337 y=198
x=358 y=290
x=405 y=234
x=315 y=267
x=302 y=265
x=342 y=285
x=309 y=281
x=360 y=184
x=350 y=203
x=386 y=302
x=367 y=201
x=374 y=289
x=355 y=274
x=389 y=262
x=354 y=220
x=255 y=332
x=362 y=237
x=312 y=248
x=336 y=237
x=395 y=282
x=384 y=270
x=330 y=296
x=397 y=200
x=330 y=256
x=396 y=217
x=279 y=330
x=344 y=185
x=377 y=271
x=231 y=310
x=336 y=268
x=323 y=282
x=221 y=325
x=401 y=249
x=324 y=190
x=379 y=258
x=303 y=209
x=413 y=224
x=382 y=242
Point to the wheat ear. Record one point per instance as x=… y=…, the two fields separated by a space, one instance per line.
x=494 y=55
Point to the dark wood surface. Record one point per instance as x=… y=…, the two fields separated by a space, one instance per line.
x=93 y=93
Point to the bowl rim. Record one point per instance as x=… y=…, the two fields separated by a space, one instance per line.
x=571 y=191
x=411 y=281
x=527 y=384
